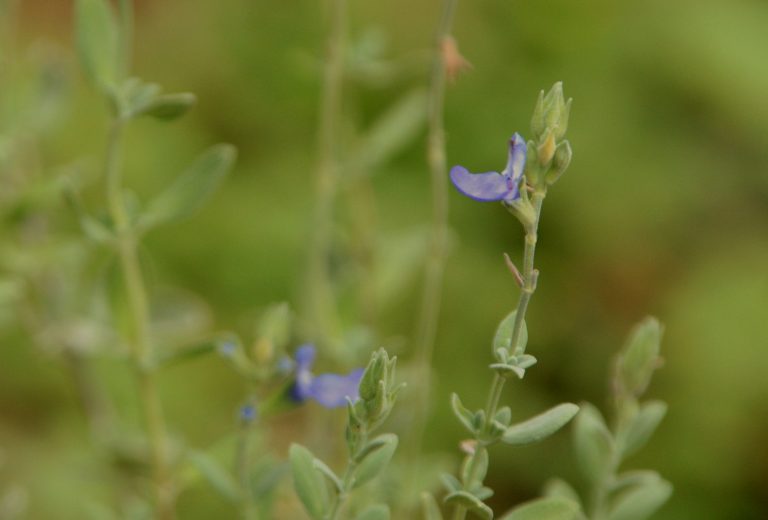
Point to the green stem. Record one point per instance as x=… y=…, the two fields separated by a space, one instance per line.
x=346 y=481
x=529 y=276
x=243 y=469
x=321 y=305
x=139 y=340
x=431 y=295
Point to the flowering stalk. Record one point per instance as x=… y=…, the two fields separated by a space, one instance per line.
x=367 y=456
x=530 y=166
x=435 y=264
x=321 y=305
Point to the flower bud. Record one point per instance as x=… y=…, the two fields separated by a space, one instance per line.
x=546 y=150
x=560 y=162
x=551 y=113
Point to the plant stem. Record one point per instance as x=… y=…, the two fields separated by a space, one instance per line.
x=435 y=265
x=321 y=305
x=139 y=340
x=243 y=467
x=529 y=275
x=346 y=481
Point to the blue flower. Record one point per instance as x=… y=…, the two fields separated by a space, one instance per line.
x=494 y=186
x=248 y=413
x=330 y=390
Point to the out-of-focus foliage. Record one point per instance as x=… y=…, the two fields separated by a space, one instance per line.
x=664 y=210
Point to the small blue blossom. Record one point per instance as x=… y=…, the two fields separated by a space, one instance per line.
x=248 y=413
x=227 y=348
x=494 y=186
x=330 y=390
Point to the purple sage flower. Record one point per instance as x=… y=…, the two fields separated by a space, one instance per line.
x=494 y=186
x=330 y=390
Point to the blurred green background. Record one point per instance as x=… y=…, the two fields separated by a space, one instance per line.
x=664 y=211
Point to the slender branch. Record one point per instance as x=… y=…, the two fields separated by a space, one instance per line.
x=529 y=276
x=139 y=340
x=431 y=294
x=321 y=305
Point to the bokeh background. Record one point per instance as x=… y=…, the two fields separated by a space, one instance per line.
x=664 y=211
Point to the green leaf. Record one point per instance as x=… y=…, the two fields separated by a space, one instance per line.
x=640 y=356
x=643 y=425
x=541 y=426
x=503 y=336
x=430 y=508
x=375 y=462
x=219 y=478
x=466 y=417
x=561 y=489
x=97 y=36
x=167 y=358
x=549 y=508
x=640 y=502
x=471 y=502
x=391 y=132
x=633 y=478
x=309 y=484
x=593 y=443
x=375 y=512
x=323 y=468
x=190 y=190
x=167 y=106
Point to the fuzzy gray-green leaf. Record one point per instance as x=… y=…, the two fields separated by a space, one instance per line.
x=464 y=415
x=593 y=443
x=375 y=462
x=548 y=508
x=97 y=41
x=471 y=502
x=309 y=484
x=643 y=426
x=540 y=426
x=191 y=189
x=221 y=480
x=375 y=512
x=640 y=502
x=503 y=336
x=430 y=508
x=640 y=356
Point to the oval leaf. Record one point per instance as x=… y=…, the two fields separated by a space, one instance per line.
x=375 y=462
x=639 y=357
x=168 y=106
x=593 y=443
x=471 y=502
x=503 y=337
x=97 y=41
x=549 y=508
x=309 y=484
x=643 y=425
x=376 y=512
x=541 y=426
x=216 y=475
x=465 y=416
x=640 y=502
x=190 y=190
x=430 y=508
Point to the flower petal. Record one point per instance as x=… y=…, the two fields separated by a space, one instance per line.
x=484 y=187
x=305 y=356
x=332 y=391
x=516 y=159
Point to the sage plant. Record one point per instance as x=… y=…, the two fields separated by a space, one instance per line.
x=104 y=45
x=531 y=167
x=325 y=494
x=601 y=449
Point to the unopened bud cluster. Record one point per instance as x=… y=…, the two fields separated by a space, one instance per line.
x=378 y=392
x=548 y=153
